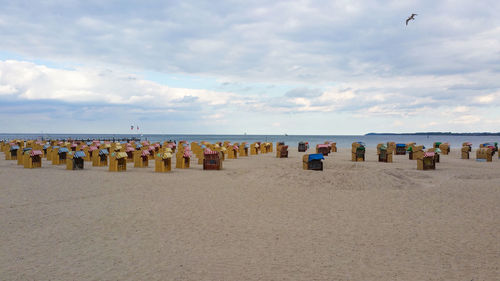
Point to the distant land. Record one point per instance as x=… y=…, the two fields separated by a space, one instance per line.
x=438 y=134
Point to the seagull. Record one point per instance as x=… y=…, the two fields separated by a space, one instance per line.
x=412 y=17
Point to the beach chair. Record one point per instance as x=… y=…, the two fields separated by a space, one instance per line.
x=34 y=159
x=163 y=161
x=20 y=155
x=141 y=158
x=468 y=145
x=484 y=154
x=400 y=149
x=223 y=152
x=59 y=155
x=302 y=146
x=183 y=159
x=12 y=155
x=491 y=145
x=465 y=151
x=118 y=162
x=49 y=153
x=391 y=146
x=384 y=154
x=323 y=149
x=130 y=153
x=333 y=146
x=232 y=151
x=76 y=160
x=445 y=148
x=313 y=161
x=358 y=152
x=425 y=161
x=211 y=160
x=266 y=147
x=437 y=152
x=100 y=158
x=282 y=152
x=244 y=149
x=412 y=148
x=254 y=149
x=45 y=149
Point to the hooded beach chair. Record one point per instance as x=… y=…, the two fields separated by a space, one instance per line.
x=130 y=153
x=141 y=158
x=45 y=148
x=465 y=152
x=22 y=155
x=323 y=149
x=118 y=162
x=384 y=154
x=100 y=157
x=183 y=160
x=493 y=146
x=400 y=149
x=34 y=159
x=333 y=146
x=484 y=154
x=211 y=160
x=412 y=149
x=75 y=160
x=282 y=151
x=244 y=149
x=468 y=145
x=313 y=161
x=302 y=146
x=232 y=151
x=445 y=148
x=254 y=148
x=358 y=151
x=425 y=160
x=12 y=154
x=163 y=161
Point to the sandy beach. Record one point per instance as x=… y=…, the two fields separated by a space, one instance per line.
x=260 y=218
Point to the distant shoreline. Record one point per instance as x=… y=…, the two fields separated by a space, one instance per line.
x=254 y=135
x=435 y=134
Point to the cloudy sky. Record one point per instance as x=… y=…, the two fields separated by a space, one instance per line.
x=260 y=67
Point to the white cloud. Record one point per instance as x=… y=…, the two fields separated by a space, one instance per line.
x=7 y=89
x=341 y=57
x=461 y=109
x=35 y=82
x=466 y=120
x=486 y=98
x=261 y=41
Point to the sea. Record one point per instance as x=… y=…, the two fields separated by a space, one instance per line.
x=343 y=141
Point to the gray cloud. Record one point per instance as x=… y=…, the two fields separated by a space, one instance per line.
x=309 y=41
x=303 y=93
x=340 y=56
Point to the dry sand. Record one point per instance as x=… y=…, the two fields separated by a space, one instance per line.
x=261 y=218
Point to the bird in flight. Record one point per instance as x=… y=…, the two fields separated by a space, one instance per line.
x=412 y=17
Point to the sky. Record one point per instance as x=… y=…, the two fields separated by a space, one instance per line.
x=255 y=67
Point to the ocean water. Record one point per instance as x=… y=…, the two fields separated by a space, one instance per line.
x=342 y=141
